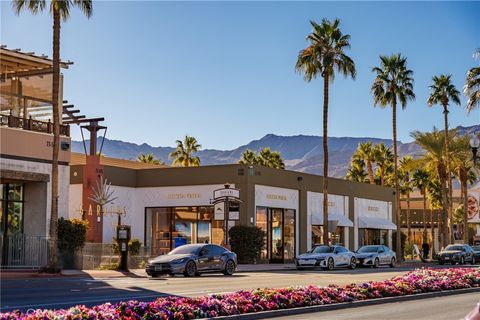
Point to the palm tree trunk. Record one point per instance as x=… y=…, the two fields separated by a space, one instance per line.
x=424 y=218
x=325 y=158
x=409 y=229
x=465 y=204
x=432 y=229
x=449 y=176
x=443 y=182
x=370 y=172
x=53 y=257
x=397 y=189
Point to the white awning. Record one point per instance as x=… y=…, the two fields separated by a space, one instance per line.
x=342 y=221
x=376 y=223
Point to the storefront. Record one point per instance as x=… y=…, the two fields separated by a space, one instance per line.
x=373 y=222
x=338 y=221
x=276 y=214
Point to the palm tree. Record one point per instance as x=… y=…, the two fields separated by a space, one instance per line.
x=248 y=157
x=183 y=154
x=393 y=83
x=367 y=152
x=472 y=85
x=463 y=165
x=383 y=160
x=325 y=55
x=270 y=159
x=356 y=172
x=148 y=158
x=405 y=174
x=60 y=10
x=434 y=161
x=443 y=91
x=421 y=178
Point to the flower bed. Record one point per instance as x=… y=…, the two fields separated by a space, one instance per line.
x=417 y=281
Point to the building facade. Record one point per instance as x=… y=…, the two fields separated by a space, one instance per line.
x=168 y=207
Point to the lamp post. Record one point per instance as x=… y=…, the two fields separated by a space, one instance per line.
x=474 y=144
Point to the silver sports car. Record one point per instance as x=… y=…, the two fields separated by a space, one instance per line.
x=375 y=255
x=327 y=257
x=193 y=259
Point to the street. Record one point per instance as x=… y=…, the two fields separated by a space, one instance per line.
x=442 y=308
x=64 y=292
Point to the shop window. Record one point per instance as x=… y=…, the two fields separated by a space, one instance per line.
x=11 y=209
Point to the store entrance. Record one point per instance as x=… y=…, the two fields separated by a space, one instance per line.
x=279 y=226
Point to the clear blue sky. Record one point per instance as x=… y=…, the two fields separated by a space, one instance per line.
x=224 y=71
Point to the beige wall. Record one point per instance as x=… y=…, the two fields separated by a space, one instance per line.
x=28 y=145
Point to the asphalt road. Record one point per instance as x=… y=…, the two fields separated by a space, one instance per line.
x=443 y=308
x=24 y=294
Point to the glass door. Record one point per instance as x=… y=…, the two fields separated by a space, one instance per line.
x=276 y=229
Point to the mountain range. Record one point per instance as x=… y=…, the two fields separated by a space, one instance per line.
x=301 y=152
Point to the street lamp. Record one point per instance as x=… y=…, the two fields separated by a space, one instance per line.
x=474 y=144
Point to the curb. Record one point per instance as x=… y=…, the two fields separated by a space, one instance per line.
x=345 y=305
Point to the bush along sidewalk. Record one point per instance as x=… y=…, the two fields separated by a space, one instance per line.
x=247 y=301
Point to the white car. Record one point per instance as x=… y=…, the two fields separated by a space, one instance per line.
x=326 y=257
x=375 y=255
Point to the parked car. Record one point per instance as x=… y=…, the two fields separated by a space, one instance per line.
x=193 y=259
x=375 y=256
x=476 y=251
x=457 y=253
x=327 y=257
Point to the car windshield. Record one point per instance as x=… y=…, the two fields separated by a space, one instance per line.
x=452 y=247
x=323 y=249
x=185 y=249
x=367 y=249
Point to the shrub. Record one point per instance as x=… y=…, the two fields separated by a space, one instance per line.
x=71 y=237
x=247 y=242
x=71 y=234
x=134 y=246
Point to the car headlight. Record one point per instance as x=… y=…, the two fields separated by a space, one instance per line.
x=182 y=260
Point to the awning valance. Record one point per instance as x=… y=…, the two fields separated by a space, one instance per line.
x=342 y=221
x=376 y=223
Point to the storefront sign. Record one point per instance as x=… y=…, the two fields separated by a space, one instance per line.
x=372 y=208
x=275 y=197
x=222 y=193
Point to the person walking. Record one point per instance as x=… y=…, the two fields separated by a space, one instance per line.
x=425 y=251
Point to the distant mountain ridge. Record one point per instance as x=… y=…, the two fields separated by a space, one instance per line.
x=301 y=152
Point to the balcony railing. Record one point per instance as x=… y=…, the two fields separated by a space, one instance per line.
x=31 y=124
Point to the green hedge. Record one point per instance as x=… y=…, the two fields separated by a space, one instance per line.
x=247 y=242
x=72 y=235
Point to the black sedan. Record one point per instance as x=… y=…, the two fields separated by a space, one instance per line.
x=457 y=253
x=193 y=259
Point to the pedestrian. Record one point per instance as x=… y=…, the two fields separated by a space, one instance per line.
x=425 y=250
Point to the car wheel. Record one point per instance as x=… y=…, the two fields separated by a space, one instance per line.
x=229 y=268
x=453 y=263
x=155 y=275
x=376 y=263
x=299 y=268
x=392 y=263
x=330 y=264
x=462 y=260
x=353 y=263
x=190 y=269
x=440 y=262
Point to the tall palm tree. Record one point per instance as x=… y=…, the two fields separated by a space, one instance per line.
x=324 y=56
x=406 y=168
x=421 y=178
x=393 y=84
x=434 y=161
x=463 y=165
x=442 y=92
x=59 y=10
x=367 y=152
x=183 y=154
x=472 y=85
x=383 y=159
x=248 y=157
x=148 y=158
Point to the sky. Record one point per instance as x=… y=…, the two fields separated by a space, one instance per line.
x=224 y=71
